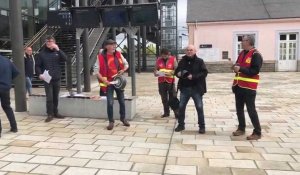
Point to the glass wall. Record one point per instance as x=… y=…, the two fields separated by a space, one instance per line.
x=4 y=4
x=4 y=21
x=34 y=16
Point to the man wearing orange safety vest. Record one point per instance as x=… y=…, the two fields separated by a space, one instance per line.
x=164 y=70
x=111 y=63
x=244 y=86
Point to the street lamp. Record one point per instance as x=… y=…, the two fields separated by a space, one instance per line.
x=180 y=42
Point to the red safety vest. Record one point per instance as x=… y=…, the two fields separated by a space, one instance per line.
x=243 y=80
x=166 y=67
x=108 y=72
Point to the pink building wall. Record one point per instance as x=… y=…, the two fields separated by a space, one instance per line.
x=221 y=34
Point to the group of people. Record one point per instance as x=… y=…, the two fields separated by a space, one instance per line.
x=191 y=72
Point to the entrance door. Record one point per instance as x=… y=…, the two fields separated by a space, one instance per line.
x=287 y=60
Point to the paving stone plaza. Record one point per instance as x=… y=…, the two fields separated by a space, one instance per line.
x=82 y=146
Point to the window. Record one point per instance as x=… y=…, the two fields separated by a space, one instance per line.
x=287 y=46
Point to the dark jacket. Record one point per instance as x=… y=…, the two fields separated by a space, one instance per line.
x=8 y=72
x=50 y=60
x=29 y=65
x=197 y=68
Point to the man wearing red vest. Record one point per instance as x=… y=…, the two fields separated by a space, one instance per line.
x=164 y=70
x=244 y=86
x=111 y=63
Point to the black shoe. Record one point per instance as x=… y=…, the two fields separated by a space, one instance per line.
x=238 y=132
x=49 y=118
x=165 y=115
x=125 y=122
x=202 y=131
x=110 y=126
x=58 y=116
x=254 y=137
x=14 y=130
x=179 y=128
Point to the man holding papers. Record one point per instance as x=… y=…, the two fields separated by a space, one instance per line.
x=164 y=70
x=48 y=68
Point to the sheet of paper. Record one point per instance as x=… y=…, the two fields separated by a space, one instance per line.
x=46 y=76
x=160 y=73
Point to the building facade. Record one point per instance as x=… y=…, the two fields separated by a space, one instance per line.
x=216 y=28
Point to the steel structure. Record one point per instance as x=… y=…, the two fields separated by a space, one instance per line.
x=168 y=25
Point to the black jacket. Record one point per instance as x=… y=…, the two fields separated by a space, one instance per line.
x=197 y=68
x=29 y=65
x=8 y=72
x=50 y=60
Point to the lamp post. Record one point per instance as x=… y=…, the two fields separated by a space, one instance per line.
x=179 y=42
x=186 y=35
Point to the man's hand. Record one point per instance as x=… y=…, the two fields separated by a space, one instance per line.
x=179 y=74
x=41 y=77
x=107 y=82
x=236 y=69
x=55 y=47
x=121 y=72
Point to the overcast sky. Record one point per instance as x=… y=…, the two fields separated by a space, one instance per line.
x=181 y=6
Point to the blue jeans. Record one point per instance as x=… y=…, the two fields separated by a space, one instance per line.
x=29 y=85
x=110 y=102
x=185 y=94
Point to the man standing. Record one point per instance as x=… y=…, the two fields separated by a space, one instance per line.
x=164 y=70
x=8 y=72
x=29 y=69
x=192 y=73
x=50 y=59
x=244 y=86
x=111 y=63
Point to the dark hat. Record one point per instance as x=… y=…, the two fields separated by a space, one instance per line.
x=109 y=41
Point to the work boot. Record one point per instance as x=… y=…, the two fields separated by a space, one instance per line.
x=202 y=131
x=14 y=130
x=254 y=136
x=58 y=116
x=110 y=126
x=125 y=122
x=165 y=115
x=49 y=118
x=179 y=128
x=238 y=132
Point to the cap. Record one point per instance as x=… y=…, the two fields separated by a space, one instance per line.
x=109 y=41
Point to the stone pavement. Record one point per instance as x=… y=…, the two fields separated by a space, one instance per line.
x=149 y=147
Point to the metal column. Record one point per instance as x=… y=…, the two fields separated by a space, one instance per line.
x=113 y=29
x=86 y=58
x=18 y=54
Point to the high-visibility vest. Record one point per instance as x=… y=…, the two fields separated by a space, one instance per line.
x=243 y=80
x=166 y=68
x=114 y=63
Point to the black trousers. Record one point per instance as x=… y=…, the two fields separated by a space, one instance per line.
x=166 y=92
x=242 y=97
x=52 y=94
x=5 y=103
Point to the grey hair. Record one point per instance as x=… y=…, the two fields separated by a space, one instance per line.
x=251 y=39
